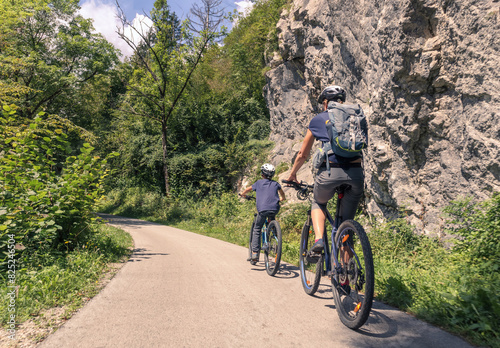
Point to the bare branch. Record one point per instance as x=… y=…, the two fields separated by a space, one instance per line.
x=145 y=38
x=206 y=19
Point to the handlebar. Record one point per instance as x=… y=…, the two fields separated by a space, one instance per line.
x=298 y=186
x=303 y=189
x=248 y=198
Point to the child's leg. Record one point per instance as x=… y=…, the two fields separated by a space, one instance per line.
x=257 y=228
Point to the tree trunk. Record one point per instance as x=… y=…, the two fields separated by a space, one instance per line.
x=165 y=160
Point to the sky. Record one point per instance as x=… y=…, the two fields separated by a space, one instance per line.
x=103 y=12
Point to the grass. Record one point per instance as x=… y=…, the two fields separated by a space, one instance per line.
x=450 y=288
x=66 y=280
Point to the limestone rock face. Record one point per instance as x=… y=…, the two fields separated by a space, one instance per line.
x=427 y=74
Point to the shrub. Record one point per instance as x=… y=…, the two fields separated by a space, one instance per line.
x=46 y=194
x=477 y=228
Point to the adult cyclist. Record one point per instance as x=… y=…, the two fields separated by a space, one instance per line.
x=342 y=170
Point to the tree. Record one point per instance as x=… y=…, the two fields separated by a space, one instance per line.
x=164 y=61
x=48 y=53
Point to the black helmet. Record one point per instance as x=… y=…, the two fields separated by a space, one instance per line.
x=332 y=93
x=267 y=170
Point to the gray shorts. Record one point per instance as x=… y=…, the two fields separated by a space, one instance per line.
x=324 y=189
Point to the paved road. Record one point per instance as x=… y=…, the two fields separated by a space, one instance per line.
x=180 y=289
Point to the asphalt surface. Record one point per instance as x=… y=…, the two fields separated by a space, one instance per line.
x=181 y=289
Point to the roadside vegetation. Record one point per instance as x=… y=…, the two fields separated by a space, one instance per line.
x=53 y=285
x=54 y=250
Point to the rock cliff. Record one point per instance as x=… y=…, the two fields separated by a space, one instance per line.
x=426 y=72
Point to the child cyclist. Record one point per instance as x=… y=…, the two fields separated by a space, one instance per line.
x=269 y=195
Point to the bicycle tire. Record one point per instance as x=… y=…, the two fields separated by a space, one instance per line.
x=272 y=256
x=250 y=243
x=353 y=303
x=310 y=268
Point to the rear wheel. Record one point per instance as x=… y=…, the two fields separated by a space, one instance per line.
x=310 y=264
x=353 y=280
x=272 y=256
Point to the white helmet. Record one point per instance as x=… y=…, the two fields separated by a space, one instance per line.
x=267 y=170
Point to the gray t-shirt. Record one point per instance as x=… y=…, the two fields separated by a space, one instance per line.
x=267 y=194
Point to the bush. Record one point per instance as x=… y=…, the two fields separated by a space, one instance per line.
x=68 y=279
x=47 y=195
x=455 y=288
x=477 y=228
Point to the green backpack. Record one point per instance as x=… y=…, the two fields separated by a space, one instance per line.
x=348 y=131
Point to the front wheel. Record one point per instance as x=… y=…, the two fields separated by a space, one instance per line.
x=310 y=264
x=353 y=275
x=272 y=254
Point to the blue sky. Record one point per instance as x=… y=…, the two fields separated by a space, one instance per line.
x=103 y=12
x=181 y=7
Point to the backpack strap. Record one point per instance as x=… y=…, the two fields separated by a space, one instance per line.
x=329 y=129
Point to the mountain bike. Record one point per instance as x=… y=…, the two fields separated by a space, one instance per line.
x=270 y=243
x=349 y=261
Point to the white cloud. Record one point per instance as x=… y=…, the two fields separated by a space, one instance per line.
x=107 y=23
x=244 y=6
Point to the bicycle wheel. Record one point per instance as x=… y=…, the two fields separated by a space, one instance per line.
x=311 y=265
x=272 y=256
x=250 y=243
x=353 y=281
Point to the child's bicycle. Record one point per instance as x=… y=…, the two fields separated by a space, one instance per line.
x=352 y=276
x=270 y=243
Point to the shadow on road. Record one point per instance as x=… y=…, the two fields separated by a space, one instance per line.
x=140 y=254
x=122 y=220
x=286 y=271
x=378 y=324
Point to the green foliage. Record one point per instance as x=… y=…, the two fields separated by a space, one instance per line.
x=253 y=37
x=68 y=279
x=477 y=227
x=213 y=131
x=456 y=288
x=134 y=202
x=48 y=54
x=293 y=218
x=47 y=194
x=282 y=167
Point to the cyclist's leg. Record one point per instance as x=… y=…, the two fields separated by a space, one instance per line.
x=349 y=203
x=323 y=192
x=270 y=215
x=355 y=178
x=257 y=228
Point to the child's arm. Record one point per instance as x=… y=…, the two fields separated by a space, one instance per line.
x=282 y=195
x=245 y=191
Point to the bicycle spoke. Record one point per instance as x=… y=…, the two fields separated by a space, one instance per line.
x=272 y=255
x=352 y=283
